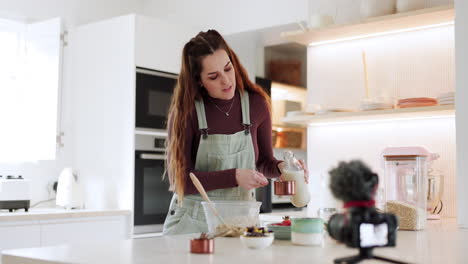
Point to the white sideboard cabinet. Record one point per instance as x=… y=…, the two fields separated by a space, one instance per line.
x=100 y=76
x=40 y=228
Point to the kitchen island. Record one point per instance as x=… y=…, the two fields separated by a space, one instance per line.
x=441 y=242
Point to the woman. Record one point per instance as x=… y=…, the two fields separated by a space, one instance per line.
x=219 y=129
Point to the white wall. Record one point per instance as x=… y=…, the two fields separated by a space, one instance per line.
x=413 y=64
x=327 y=145
x=73 y=12
x=423 y=66
x=461 y=43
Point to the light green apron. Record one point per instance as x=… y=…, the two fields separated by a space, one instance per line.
x=215 y=152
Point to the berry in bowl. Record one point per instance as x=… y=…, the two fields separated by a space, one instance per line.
x=257 y=237
x=281 y=230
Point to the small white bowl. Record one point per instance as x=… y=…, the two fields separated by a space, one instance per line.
x=257 y=242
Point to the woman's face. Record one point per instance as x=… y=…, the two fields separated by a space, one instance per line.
x=218 y=75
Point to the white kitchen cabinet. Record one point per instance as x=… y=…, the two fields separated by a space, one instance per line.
x=101 y=77
x=19 y=234
x=159 y=44
x=39 y=229
x=56 y=232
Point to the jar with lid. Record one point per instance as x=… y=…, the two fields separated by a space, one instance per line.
x=406 y=188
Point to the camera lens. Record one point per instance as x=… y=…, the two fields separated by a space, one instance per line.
x=335 y=226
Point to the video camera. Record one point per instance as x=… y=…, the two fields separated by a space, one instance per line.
x=362 y=225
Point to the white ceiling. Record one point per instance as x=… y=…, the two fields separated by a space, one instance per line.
x=226 y=16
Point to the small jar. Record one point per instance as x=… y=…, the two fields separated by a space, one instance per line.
x=325 y=213
x=285 y=187
x=307 y=231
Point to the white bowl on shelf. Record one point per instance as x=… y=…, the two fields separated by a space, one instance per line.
x=297 y=113
x=319 y=21
x=375 y=8
x=409 y=5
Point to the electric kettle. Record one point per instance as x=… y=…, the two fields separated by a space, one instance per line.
x=69 y=193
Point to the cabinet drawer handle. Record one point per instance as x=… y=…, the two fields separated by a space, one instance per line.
x=152 y=156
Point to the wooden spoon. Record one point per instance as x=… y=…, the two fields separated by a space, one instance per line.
x=202 y=191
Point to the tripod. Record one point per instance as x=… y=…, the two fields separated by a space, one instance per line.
x=365 y=253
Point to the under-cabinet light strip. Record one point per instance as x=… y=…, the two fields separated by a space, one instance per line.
x=353 y=122
x=381 y=33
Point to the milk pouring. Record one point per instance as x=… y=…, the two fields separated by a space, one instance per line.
x=293 y=171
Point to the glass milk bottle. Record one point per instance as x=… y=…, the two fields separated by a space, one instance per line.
x=292 y=171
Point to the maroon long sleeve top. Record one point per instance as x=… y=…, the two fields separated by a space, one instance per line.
x=219 y=123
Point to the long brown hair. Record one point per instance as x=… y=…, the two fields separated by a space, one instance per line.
x=188 y=89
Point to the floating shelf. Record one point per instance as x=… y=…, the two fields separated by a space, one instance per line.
x=377 y=115
x=400 y=22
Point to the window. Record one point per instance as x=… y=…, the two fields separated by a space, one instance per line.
x=29 y=81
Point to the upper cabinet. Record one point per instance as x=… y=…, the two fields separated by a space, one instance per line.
x=30 y=80
x=159 y=44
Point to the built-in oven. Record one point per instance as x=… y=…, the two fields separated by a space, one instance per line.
x=154 y=91
x=152 y=195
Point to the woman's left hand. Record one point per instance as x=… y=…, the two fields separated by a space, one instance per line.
x=303 y=165
x=306 y=171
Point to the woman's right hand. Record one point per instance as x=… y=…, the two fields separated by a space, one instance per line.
x=250 y=179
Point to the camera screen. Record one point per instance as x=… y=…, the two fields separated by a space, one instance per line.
x=372 y=235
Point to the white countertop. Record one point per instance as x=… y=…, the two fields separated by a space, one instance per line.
x=56 y=213
x=277 y=216
x=441 y=242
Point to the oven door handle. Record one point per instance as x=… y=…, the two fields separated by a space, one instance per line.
x=147 y=156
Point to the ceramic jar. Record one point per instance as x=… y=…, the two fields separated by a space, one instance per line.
x=410 y=5
x=318 y=21
x=307 y=231
x=373 y=8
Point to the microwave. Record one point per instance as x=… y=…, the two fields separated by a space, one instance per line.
x=154 y=90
